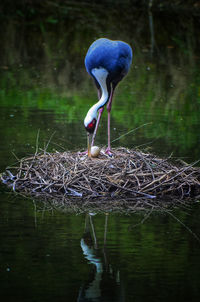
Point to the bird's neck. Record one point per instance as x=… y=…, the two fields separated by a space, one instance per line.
x=100 y=75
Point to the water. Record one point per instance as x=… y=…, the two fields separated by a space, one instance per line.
x=50 y=254
x=44 y=255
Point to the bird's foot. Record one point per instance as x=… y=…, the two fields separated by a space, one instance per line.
x=109 y=152
x=83 y=153
x=86 y=154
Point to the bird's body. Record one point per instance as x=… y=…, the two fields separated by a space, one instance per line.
x=113 y=56
x=107 y=62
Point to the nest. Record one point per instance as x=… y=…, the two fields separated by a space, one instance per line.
x=131 y=175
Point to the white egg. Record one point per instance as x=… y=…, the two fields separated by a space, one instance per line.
x=95 y=151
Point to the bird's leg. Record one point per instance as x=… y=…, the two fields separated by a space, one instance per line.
x=109 y=106
x=97 y=125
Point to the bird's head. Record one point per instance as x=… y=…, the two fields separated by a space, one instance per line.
x=90 y=123
x=90 y=126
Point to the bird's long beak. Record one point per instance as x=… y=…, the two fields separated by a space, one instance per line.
x=89 y=137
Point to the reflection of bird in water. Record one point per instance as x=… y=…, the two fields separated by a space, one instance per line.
x=104 y=283
x=107 y=62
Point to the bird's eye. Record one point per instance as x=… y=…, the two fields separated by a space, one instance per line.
x=91 y=126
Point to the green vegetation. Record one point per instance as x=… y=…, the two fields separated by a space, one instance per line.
x=44 y=85
x=45 y=91
x=168 y=99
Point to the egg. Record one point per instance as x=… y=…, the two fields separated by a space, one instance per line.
x=95 y=151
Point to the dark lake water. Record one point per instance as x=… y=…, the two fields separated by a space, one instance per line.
x=47 y=254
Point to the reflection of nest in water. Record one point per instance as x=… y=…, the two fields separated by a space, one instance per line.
x=129 y=174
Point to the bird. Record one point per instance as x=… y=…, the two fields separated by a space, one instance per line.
x=107 y=62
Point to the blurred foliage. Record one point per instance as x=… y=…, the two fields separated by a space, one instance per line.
x=44 y=89
x=31 y=8
x=44 y=85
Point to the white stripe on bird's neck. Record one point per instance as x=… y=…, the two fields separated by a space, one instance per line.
x=100 y=75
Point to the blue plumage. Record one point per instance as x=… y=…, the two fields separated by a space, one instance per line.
x=107 y=62
x=114 y=56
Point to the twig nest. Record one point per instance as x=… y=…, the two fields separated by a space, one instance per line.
x=95 y=151
x=141 y=177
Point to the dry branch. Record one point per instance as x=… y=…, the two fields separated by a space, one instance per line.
x=129 y=173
